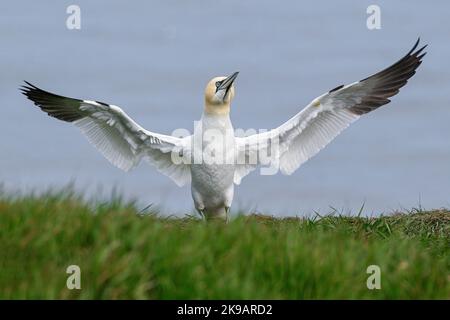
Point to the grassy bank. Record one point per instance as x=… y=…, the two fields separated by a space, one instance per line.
x=125 y=255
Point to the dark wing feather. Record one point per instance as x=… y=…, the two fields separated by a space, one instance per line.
x=62 y=108
x=118 y=137
x=387 y=82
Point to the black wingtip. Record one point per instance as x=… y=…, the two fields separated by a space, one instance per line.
x=30 y=84
x=414 y=47
x=412 y=54
x=417 y=53
x=420 y=50
x=60 y=107
x=336 y=89
x=421 y=56
x=27 y=88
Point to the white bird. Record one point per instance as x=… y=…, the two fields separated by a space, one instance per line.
x=124 y=143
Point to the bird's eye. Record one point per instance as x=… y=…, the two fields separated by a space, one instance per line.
x=218 y=84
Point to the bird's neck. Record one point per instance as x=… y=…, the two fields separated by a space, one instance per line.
x=217 y=109
x=216 y=120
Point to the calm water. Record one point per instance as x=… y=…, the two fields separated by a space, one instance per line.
x=154 y=58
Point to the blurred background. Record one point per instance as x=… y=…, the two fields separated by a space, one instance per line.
x=153 y=58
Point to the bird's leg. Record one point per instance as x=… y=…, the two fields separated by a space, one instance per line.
x=227 y=218
x=201 y=213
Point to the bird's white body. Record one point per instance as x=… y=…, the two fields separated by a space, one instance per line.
x=212 y=183
x=215 y=156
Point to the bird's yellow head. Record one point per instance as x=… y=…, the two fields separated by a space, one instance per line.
x=218 y=94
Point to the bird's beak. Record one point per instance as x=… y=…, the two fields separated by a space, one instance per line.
x=226 y=84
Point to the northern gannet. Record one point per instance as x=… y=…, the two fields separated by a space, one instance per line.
x=124 y=143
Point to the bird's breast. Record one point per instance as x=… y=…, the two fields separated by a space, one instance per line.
x=214 y=144
x=212 y=180
x=213 y=165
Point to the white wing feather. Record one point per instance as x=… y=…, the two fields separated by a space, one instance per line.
x=121 y=140
x=304 y=135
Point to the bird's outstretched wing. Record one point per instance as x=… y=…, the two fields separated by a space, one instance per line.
x=121 y=140
x=304 y=135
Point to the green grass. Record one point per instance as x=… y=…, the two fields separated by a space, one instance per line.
x=126 y=255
